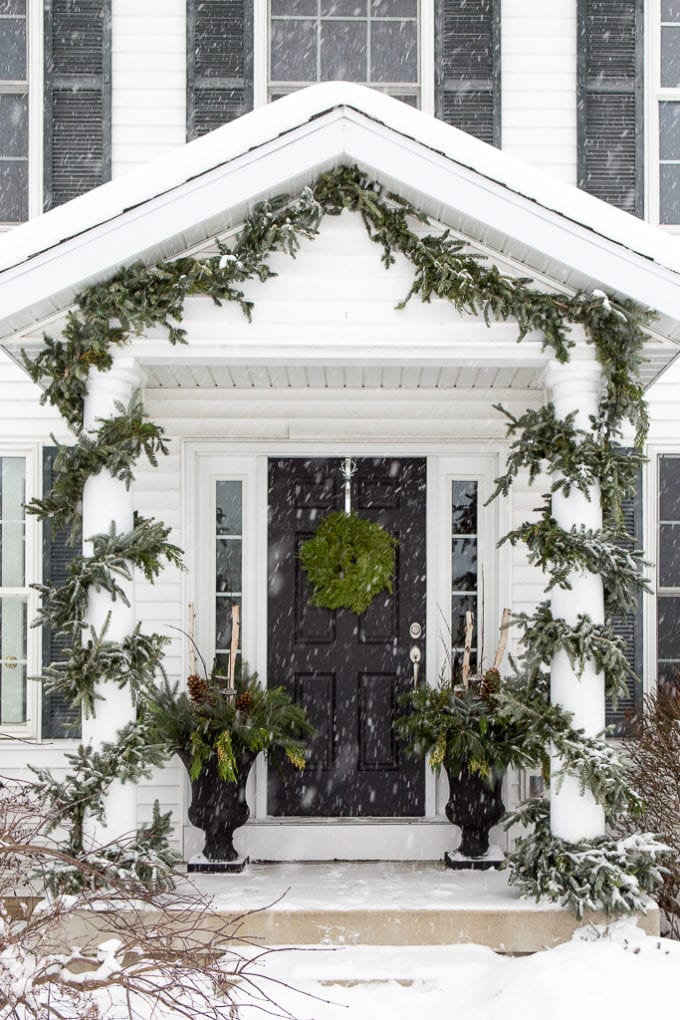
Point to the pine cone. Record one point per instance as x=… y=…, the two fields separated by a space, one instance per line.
x=198 y=688
x=244 y=701
x=490 y=685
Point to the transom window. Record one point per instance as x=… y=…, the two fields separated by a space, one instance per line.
x=13 y=111
x=373 y=42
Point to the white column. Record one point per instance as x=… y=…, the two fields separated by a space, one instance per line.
x=577 y=386
x=107 y=500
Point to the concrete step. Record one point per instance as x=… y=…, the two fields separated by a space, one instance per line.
x=391 y=903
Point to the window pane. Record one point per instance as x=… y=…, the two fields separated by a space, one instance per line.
x=464 y=508
x=228 y=509
x=670 y=57
x=669 y=555
x=669 y=193
x=344 y=8
x=394 y=8
x=669 y=130
x=394 y=51
x=229 y=566
x=343 y=51
x=223 y=622
x=12 y=496
x=464 y=564
x=669 y=626
x=293 y=53
x=294 y=7
x=670 y=10
x=13 y=49
x=13 y=191
x=12 y=6
x=669 y=488
x=12 y=660
x=459 y=607
x=14 y=125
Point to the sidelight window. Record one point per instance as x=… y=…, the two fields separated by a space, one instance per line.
x=464 y=569
x=228 y=567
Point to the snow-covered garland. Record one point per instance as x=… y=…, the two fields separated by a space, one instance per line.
x=141 y=297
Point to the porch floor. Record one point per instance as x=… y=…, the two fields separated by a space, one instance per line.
x=391 y=903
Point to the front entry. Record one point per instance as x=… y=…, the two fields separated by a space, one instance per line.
x=347 y=670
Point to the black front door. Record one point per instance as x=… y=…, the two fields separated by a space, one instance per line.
x=347 y=670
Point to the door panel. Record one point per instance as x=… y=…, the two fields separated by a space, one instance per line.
x=348 y=671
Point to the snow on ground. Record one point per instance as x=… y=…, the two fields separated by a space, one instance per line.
x=604 y=972
x=616 y=972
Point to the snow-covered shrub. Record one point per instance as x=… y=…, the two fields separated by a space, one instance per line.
x=653 y=749
x=119 y=947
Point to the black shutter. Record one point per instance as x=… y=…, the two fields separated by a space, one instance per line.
x=610 y=102
x=468 y=63
x=219 y=63
x=629 y=626
x=77 y=97
x=59 y=719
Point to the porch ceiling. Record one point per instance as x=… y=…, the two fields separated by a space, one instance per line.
x=339 y=377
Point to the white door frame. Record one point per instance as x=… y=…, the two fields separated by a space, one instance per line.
x=203 y=462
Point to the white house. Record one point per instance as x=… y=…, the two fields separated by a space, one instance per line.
x=261 y=414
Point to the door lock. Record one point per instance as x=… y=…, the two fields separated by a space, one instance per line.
x=415 y=657
x=415 y=630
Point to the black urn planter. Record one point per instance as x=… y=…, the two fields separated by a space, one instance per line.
x=476 y=806
x=219 y=807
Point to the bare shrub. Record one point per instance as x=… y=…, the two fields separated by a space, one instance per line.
x=116 y=948
x=652 y=746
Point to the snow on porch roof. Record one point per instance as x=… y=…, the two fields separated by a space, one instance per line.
x=207 y=187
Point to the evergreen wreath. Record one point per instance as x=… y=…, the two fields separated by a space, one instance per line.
x=348 y=561
x=139 y=297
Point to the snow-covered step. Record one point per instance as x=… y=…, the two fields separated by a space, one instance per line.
x=391 y=903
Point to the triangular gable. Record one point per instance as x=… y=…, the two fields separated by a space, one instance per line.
x=208 y=187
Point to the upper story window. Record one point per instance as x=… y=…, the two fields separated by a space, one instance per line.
x=13 y=111
x=665 y=116
x=373 y=42
x=668 y=572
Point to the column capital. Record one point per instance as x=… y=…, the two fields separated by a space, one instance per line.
x=125 y=374
x=107 y=388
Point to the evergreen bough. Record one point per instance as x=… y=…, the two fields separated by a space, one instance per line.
x=141 y=297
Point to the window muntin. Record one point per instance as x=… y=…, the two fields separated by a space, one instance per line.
x=668 y=571
x=228 y=564
x=373 y=42
x=464 y=569
x=664 y=79
x=13 y=111
x=13 y=591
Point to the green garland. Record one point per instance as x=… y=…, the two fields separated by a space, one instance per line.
x=348 y=562
x=141 y=297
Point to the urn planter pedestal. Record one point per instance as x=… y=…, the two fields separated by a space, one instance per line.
x=219 y=808
x=475 y=805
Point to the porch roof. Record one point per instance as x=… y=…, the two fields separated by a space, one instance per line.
x=179 y=202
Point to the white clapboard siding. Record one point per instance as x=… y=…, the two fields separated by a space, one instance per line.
x=148 y=81
x=22 y=417
x=662 y=398
x=539 y=84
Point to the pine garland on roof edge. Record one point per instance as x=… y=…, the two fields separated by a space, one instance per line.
x=139 y=297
